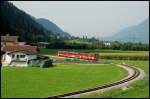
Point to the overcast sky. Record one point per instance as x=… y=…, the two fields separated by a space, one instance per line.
x=91 y=18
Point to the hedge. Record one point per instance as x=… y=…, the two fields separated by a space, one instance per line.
x=41 y=63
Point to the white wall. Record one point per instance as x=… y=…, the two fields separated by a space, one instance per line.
x=18 y=64
x=7 y=58
x=19 y=53
x=32 y=57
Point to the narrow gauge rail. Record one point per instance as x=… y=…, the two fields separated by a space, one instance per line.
x=135 y=75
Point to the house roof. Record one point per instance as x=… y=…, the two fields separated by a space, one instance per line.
x=20 y=48
x=9 y=38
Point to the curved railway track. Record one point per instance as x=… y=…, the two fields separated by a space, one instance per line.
x=133 y=76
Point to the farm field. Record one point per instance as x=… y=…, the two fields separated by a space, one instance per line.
x=54 y=51
x=43 y=82
x=138 y=89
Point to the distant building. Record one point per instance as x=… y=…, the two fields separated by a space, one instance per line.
x=107 y=43
x=9 y=40
x=40 y=45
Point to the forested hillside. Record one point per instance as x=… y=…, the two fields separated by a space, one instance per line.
x=52 y=27
x=17 y=22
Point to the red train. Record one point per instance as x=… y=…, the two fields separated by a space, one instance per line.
x=78 y=55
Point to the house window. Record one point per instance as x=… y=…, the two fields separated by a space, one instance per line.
x=22 y=56
x=17 y=56
x=13 y=56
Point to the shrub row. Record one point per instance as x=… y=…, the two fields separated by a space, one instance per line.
x=117 y=57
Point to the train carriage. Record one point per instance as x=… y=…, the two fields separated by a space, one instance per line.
x=85 y=56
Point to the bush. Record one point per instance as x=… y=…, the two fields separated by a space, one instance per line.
x=41 y=63
x=46 y=63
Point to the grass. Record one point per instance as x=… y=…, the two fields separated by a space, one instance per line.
x=138 y=89
x=42 y=82
x=39 y=82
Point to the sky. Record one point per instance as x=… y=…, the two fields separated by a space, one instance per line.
x=90 y=18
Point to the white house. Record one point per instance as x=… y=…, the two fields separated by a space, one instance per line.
x=17 y=55
x=107 y=43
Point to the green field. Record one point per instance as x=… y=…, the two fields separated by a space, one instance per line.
x=42 y=82
x=138 y=89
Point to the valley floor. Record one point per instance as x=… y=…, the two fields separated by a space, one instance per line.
x=43 y=82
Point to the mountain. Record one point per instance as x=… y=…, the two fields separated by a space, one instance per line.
x=136 y=33
x=16 y=22
x=52 y=27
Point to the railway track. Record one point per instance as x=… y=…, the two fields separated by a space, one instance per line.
x=135 y=75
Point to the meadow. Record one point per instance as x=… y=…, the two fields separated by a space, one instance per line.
x=138 y=89
x=43 y=82
x=140 y=59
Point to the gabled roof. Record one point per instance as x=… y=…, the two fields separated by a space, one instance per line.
x=9 y=38
x=20 y=48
